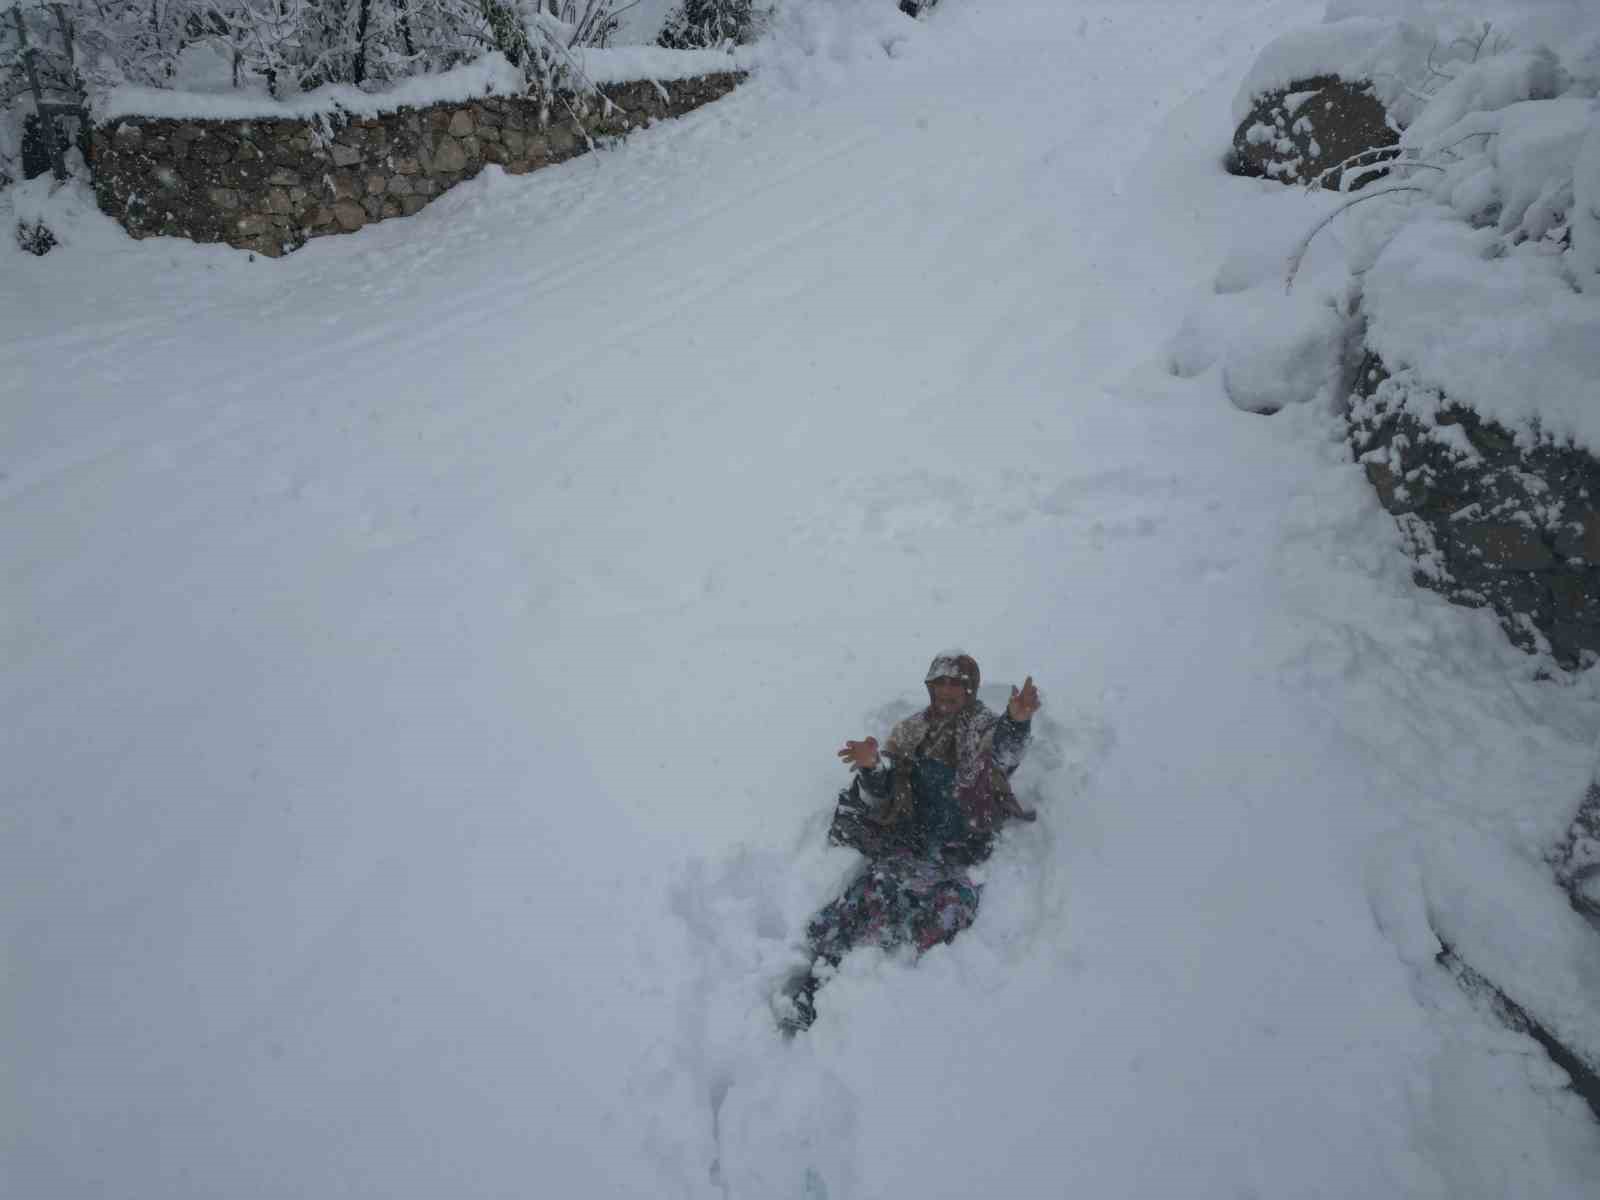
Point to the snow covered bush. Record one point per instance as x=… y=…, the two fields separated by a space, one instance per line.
x=282 y=47
x=35 y=237
x=707 y=23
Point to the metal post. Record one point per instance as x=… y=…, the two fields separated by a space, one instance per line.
x=47 y=118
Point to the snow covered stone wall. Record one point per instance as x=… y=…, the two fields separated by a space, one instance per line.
x=1492 y=518
x=270 y=183
x=1469 y=293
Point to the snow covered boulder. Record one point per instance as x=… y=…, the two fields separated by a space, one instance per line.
x=1290 y=354
x=1305 y=132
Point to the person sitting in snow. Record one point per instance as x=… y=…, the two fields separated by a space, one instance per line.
x=944 y=782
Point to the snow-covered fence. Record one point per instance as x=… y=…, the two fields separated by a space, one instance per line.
x=268 y=178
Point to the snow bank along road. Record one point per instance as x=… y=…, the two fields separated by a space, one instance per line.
x=424 y=657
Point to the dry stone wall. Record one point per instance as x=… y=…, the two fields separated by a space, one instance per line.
x=269 y=185
x=1493 y=520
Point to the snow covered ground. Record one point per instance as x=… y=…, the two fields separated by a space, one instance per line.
x=425 y=656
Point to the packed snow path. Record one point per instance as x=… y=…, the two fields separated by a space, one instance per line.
x=425 y=656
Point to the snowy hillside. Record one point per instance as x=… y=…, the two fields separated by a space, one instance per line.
x=425 y=656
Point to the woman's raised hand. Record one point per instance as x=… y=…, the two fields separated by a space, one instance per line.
x=1024 y=703
x=863 y=755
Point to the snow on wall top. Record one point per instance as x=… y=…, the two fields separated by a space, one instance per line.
x=491 y=75
x=1508 y=336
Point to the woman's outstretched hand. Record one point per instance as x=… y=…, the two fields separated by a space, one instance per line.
x=1025 y=703
x=863 y=755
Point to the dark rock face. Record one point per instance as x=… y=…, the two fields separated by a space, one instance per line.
x=1577 y=859
x=1492 y=522
x=269 y=185
x=1296 y=134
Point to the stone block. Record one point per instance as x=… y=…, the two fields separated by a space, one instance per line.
x=373 y=206
x=448 y=156
x=488 y=133
x=349 y=215
x=1581 y=538
x=1570 y=639
x=1387 y=485
x=1573 y=595
x=250 y=175
x=128 y=136
x=283 y=177
x=407 y=166
x=391 y=207
x=399 y=185
x=346 y=186
x=250 y=223
x=494 y=152
x=211 y=151
x=376 y=184
x=515 y=142
x=518 y=166
x=1489 y=439
x=322 y=216
x=345 y=156
x=224 y=198
x=461 y=123
x=1505 y=547
x=278 y=201
x=410 y=205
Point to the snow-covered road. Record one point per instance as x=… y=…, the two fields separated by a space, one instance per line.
x=425 y=654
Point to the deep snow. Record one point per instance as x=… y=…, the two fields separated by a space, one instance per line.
x=426 y=653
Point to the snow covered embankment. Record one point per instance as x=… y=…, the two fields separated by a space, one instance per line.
x=1469 y=294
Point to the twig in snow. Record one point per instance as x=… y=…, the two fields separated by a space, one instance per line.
x=1305 y=242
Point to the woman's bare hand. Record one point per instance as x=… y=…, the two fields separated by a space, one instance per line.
x=861 y=755
x=1024 y=703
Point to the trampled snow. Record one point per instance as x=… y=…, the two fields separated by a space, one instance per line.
x=425 y=656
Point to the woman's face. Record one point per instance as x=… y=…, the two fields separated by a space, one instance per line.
x=948 y=695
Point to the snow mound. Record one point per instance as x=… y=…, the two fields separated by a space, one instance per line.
x=1292 y=357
